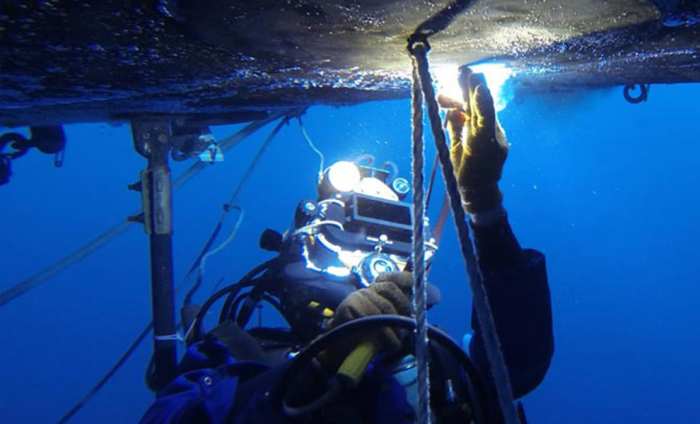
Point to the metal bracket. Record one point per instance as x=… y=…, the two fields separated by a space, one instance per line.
x=152 y=140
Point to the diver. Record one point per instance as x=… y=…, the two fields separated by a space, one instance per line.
x=344 y=260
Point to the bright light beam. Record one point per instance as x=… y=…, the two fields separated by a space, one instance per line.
x=496 y=74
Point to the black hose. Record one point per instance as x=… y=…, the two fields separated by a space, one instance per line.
x=251 y=301
x=274 y=302
x=233 y=290
x=441 y=20
x=475 y=387
x=194 y=334
x=233 y=311
x=232 y=301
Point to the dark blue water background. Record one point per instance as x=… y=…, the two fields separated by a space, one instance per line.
x=608 y=190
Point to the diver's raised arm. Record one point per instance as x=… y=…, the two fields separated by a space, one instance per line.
x=515 y=278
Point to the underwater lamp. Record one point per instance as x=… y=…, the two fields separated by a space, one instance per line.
x=496 y=74
x=344 y=176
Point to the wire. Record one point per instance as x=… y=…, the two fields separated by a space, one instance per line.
x=203 y=260
x=311 y=144
x=105 y=378
x=225 y=243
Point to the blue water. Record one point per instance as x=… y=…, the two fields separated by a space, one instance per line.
x=608 y=190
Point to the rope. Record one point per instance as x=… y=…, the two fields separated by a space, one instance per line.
x=420 y=293
x=499 y=371
x=431 y=184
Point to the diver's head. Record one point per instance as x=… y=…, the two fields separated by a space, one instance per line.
x=359 y=225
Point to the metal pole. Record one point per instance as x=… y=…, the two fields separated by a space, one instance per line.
x=152 y=140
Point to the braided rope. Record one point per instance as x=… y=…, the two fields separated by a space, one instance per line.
x=419 y=286
x=499 y=371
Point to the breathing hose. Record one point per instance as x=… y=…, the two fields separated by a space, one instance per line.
x=362 y=326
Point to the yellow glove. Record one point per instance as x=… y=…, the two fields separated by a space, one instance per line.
x=390 y=294
x=478 y=143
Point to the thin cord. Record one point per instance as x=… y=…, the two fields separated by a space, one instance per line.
x=311 y=144
x=105 y=378
x=203 y=258
x=222 y=246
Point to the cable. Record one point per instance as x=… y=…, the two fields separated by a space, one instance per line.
x=203 y=260
x=311 y=144
x=105 y=378
x=225 y=243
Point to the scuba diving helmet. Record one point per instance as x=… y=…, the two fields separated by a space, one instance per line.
x=359 y=224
